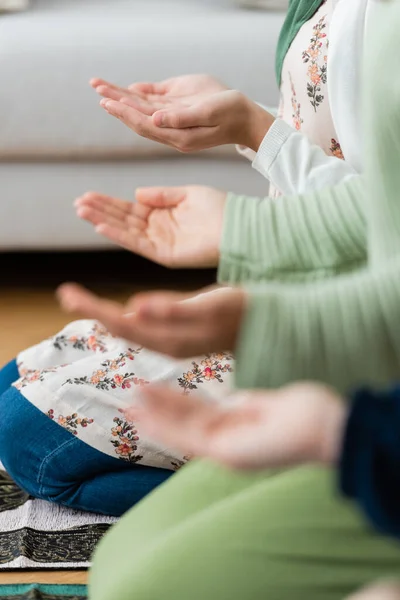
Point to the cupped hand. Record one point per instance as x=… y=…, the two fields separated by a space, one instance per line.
x=175 y=227
x=150 y=97
x=195 y=119
x=175 y=324
x=297 y=424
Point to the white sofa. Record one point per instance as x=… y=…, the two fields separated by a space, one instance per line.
x=56 y=142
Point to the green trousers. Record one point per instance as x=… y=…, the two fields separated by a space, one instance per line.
x=211 y=533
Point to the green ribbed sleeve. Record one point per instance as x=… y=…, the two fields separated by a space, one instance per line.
x=294 y=238
x=346 y=330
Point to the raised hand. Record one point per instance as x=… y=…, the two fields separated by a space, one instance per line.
x=175 y=227
x=297 y=424
x=179 y=325
x=149 y=97
x=189 y=114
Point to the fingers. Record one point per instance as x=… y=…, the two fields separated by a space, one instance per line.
x=141 y=211
x=134 y=119
x=131 y=238
x=96 y=81
x=184 y=140
x=97 y=209
x=183 y=118
x=173 y=418
x=112 y=93
x=97 y=217
x=145 y=106
x=193 y=426
x=113 y=206
x=148 y=88
x=129 y=213
x=165 y=306
x=75 y=298
x=145 y=91
x=165 y=338
x=120 y=210
x=161 y=197
x=107 y=89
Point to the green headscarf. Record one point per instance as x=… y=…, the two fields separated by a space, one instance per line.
x=299 y=12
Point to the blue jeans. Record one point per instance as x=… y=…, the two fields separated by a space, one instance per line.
x=50 y=463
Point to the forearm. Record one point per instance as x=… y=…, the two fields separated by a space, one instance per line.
x=340 y=332
x=296 y=238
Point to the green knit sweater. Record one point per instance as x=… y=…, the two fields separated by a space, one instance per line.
x=342 y=329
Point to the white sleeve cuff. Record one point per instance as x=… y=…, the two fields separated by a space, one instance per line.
x=246 y=152
x=271 y=145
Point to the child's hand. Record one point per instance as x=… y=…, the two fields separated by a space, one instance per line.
x=175 y=227
x=297 y=424
x=163 y=321
x=186 y=115
x=150 y=97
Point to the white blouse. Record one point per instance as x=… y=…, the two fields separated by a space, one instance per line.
x=305 y=104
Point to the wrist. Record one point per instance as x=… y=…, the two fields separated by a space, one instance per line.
x=332 y=432
x=258 y=123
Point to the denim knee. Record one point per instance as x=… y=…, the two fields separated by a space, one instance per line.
x=8 y=375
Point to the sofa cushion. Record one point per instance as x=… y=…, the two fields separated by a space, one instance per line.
x=13 y=5
x=48 y=54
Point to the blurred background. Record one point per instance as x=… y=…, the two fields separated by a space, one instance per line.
x=56 y=142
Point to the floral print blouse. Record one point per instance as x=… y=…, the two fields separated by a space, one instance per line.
x=304 y=93
x=83 y=378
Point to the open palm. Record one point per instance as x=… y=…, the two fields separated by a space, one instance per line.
x=176 y=227
x=297 y=424
x=150 y=97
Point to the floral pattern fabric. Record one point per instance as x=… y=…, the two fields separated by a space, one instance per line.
x=83 y=378
x=304 y=93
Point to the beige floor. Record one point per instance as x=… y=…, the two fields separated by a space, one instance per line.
x=26 y=317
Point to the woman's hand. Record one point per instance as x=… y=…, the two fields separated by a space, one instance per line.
x=175 y=227
x=149 y=97
x=297 y=424
x=179 y=325
x=190 y=113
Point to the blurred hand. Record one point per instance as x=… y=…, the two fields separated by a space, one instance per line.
x=176 y=324
x=380 y=591
x=189 y=113
x=297 y=424
x=150 y=97
x=175 y=227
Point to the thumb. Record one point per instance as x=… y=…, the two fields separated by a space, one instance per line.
x=182 y=118
x=161 y=197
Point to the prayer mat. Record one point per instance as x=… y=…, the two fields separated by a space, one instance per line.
x=43 y=592
x=35 y=534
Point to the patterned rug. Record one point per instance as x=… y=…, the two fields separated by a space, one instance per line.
x=43 y=592
x=35 y=534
